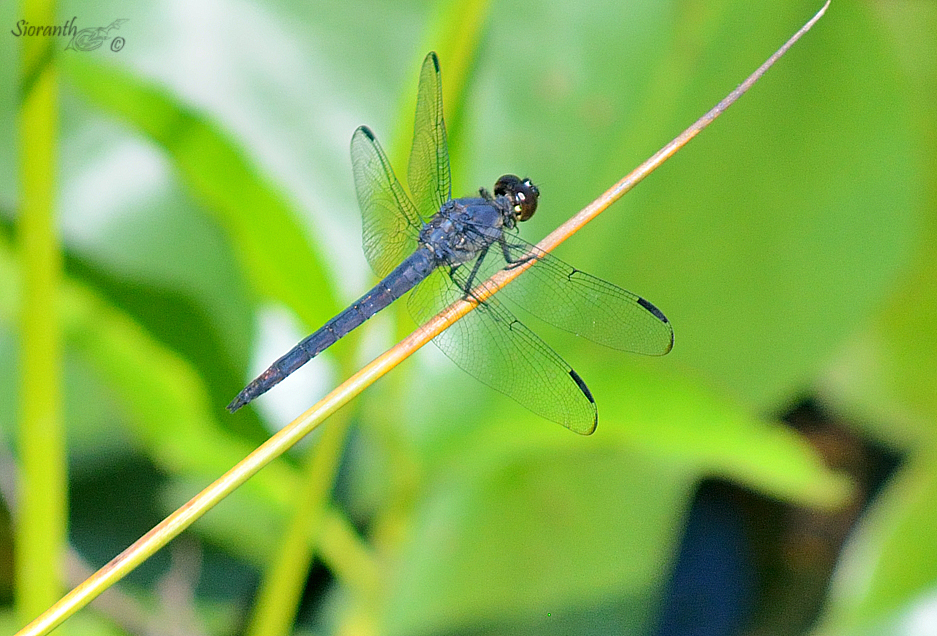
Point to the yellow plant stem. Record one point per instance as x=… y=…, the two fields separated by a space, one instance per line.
x=40 y=530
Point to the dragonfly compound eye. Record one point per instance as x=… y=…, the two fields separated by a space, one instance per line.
x=522 y=194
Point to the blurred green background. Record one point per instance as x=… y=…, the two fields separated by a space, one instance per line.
x=208 y=221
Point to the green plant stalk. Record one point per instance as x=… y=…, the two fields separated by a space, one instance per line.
x=455 y=31
x=354 y=563
x=285 y=578
x=41 y=533
x=347 y=555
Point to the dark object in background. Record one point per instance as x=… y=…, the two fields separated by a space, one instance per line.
x=712 y=588
x=755 y=566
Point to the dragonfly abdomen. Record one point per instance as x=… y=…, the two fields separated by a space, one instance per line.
x=404 y=277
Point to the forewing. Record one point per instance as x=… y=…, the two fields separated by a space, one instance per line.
x=582 y=304
x=428 y=173
x=390 y=224
x=496 y=348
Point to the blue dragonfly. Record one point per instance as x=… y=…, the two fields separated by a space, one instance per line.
x=441 y=249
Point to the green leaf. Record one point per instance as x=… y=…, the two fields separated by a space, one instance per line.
x=271 y=244
x=543 y=531
x=767 y=240
x=884 y=376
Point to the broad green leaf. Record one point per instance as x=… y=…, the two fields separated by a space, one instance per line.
x=544 y=532
x=263 y=226
x=885 y=375
x=771 y=237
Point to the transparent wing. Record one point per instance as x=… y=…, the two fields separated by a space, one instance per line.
x=390 y=224
x=428 y=173
x=582 y=304
x=497 y=349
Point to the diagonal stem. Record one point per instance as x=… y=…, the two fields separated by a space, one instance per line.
x=183 y=517
x=651 y=164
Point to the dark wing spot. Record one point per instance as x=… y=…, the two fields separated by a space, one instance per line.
x=367 y=132
x=582 y=385
x=432 y=54
x=585 y=391
x=654 y=310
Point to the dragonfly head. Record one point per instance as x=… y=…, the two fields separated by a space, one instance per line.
x=522 y=194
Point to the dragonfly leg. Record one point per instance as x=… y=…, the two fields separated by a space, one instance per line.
x=510 y=260
x=467 y=289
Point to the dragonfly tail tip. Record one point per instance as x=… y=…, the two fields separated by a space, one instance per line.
x=236 y=403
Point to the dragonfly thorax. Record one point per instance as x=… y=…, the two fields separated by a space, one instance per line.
x=464 y=228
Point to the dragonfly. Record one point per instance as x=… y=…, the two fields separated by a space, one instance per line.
x=441 y=249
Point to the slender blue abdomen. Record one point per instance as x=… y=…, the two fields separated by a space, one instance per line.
x=407 y=275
